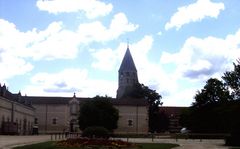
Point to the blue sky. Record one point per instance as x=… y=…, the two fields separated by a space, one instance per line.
x=58 y=47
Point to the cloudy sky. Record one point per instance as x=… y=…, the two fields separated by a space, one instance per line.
x=58 y=47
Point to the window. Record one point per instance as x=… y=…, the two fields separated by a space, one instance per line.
x=127 y=74
x=73 y=108
x=3 y=118
x=130 y=123
x=54 y=121
x=35 y=121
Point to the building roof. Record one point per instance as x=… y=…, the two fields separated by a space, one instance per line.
x=172 y=111
x=52 y=100
x=127 y=62
x=65 y=100
x=128 y=101
x=18 y=98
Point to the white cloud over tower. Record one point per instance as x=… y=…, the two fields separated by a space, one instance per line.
x=194 y=12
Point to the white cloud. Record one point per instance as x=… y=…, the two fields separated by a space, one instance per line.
x=52 y=43
x=180 y=97
x=197 y=61
x=194 y=12
x=91 y=8
x=68 y=81
x=159 y=33
x=96 y=31
x=106 y=59
x=11 y=64
x=150 y=73
x=205 y=57
x=57 y=42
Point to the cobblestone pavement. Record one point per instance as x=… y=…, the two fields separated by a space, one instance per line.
x=6 y=142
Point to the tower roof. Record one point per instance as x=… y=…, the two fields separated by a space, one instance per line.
x=127 y=62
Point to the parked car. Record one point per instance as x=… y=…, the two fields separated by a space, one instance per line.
x=184 y=130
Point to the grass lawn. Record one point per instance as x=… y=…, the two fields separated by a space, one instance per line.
x=51 y=145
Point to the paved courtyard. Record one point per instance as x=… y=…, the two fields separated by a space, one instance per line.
x=7 y=142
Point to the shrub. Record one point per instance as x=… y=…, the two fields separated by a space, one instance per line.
x=95 y=131
x=233 y=140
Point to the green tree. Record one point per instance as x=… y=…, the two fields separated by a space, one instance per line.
x=154 y=103
x=214 y=109
x=206 y=114
x=98 y=112
x=213 y=92
x=232 y=79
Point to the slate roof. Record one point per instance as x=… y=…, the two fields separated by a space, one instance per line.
x=65 y=100
x=14 y=97
x=52 y=100
x=127 y=63
x=172 y=111
x=128 y=101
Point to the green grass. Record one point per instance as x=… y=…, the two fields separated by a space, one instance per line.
x=51 y=145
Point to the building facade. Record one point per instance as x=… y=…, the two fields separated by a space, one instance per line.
x=16 y=113
x=60 y=114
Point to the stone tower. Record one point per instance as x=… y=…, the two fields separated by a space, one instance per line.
x=127 y=74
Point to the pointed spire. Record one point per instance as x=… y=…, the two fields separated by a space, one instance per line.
x=127 y=62
x=74 y=95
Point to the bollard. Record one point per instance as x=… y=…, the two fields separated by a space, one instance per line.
x=51 y=137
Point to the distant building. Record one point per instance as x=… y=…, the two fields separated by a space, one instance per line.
x=16 y=113
x=173 y=114
x=23 y=114
x=60 y=114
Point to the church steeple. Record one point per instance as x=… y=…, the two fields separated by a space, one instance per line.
x=127 y=74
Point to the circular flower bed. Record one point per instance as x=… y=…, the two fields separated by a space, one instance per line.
x=83 y=142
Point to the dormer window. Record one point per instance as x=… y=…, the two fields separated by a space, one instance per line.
x=73 y=105
x=73 y=108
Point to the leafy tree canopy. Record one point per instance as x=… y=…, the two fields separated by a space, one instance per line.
x=217 y=105
x=213 y=92
x=154 y=102
x=98 y=112
x=232 y=79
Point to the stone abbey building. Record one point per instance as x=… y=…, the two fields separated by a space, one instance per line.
x=26 y=114
x=22 y=114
